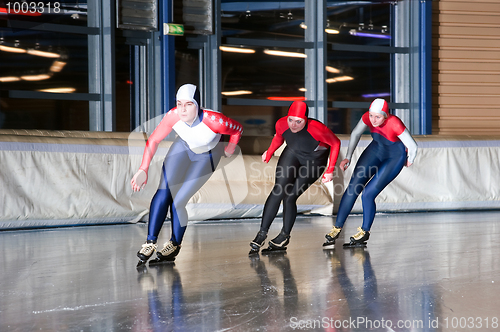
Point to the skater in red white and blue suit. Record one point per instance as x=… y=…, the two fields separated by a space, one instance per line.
x=190 y=161
x=392 y=148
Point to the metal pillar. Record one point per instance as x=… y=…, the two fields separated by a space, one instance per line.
x=315 y=63
x=167 y=58
x=101 y=65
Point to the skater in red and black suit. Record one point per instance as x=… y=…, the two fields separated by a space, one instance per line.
x=378 y=165
x=190 y=161
x=310 y=146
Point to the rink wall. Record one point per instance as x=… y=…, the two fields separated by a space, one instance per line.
x=77 y=178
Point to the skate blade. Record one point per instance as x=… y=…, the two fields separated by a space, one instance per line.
x=141 y=263
x=157 y=262
x=354 y=245
x=328 y=245
x=253 y=252
x=272 y=251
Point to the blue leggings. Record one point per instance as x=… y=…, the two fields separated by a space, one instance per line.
x=183 y=174
x=377 y=166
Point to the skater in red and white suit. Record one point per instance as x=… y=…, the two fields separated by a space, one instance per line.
x=310 y=146
x=189 y=163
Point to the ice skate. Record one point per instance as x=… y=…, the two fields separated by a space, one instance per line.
x=146 y=252
x=166 y=254
x=359 y=239
x=257 y=242
x=331 y=237
x=278 y=244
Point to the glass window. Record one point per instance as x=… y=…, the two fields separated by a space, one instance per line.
x=358 y=76
x=263 y=19
x=268 y=73
x=47 y=114
x=43 y=61
x=358 y=22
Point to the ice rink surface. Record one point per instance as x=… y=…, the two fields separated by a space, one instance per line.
x=419 y=272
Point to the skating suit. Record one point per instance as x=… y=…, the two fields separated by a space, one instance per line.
x=379 y=164
x=190 y=161
x=301 y=163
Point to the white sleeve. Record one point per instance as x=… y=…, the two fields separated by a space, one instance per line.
x=355 y=136
x=410 y=144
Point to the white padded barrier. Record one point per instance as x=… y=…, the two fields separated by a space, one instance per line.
x=51 y=178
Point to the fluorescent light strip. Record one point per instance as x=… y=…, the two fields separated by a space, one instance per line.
x=237 y=93
x=6 y=79
x=40 y=77
x=43 y=53
x=59 y=90
x=287 y=54
x=332 y=31
x=57 y=66
x=339 y=79
x=236 y=49
x=354 y=32
x=12 y=49
x=332 y=70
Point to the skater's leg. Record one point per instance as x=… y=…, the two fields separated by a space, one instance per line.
x=364 y=170
x=174 y=167
x=307 y=175
x=197 y=174
x=387 y=171
x=286 y=172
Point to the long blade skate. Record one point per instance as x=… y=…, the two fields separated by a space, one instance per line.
x=331 y=237
x=273 y=249
x=253 y=251
x=165 y=261
x=359 y=239
x=354 y=245
x=278 y=244
x=257 y=243
x=329 y=245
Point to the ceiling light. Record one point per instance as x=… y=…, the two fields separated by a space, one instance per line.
x=353 y=32
x=59 y=90
x=287 y=54
x=339 y=79
x=332 y=31
x=236 y=49
x=332 y=70
x=287 y=98
x=303 y=25
x=376 y=95
x=40 y=77
x=57 y=66
x=303 y=89
x=43 y=53
x=12 y=49
x=9 y=79
x=236 y=93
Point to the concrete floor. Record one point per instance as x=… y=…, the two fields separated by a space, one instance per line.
x=420 y=272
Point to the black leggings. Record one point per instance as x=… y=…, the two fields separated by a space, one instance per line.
x=293 y=176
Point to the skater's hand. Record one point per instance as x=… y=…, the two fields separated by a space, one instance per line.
x=408 y=164
x=264 y=155
x=139 y=180
x=344 y=164
x=229 y=150
x=327 y=177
